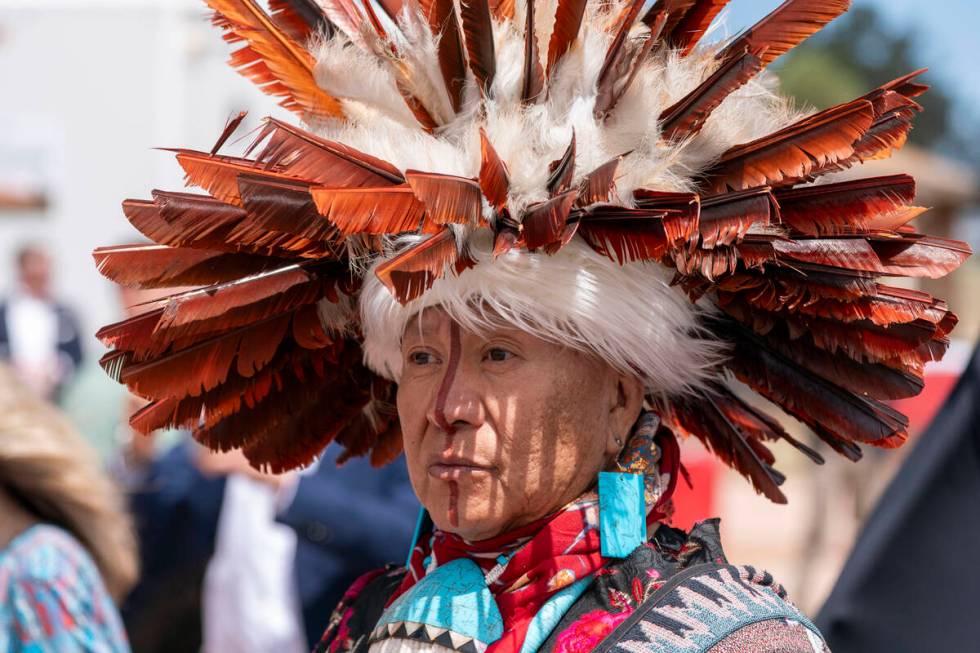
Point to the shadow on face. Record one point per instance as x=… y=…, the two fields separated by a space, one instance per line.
x=502 y=428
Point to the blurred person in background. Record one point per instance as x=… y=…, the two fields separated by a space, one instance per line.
x=66 y=546
x=39 y=336
x=237 y=560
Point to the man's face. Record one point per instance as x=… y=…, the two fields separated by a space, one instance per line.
x=500 y=428
x=35 y=273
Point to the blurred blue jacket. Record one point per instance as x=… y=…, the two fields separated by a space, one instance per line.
x=348 y=520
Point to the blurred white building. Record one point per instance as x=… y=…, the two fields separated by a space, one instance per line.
x=89 y=88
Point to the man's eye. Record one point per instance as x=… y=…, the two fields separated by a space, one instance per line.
x=498 y=355
x=421 y=358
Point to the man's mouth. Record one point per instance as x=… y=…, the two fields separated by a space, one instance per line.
x=454 y=469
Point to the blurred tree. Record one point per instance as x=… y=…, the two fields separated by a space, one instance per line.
x=860 y=52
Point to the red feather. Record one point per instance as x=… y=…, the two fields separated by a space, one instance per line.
x=447 y=199
x=598 y=185
x=238 y=303
x=494 y=179
x=568 y=22
x=533 y=79
x=786 y=27
x=156 y=266
x=726 y=219
x=688 y=115
x=412 y=272
x=304 y=155
x=272 y=60
x=725 y=427
x=441 y=15
x=562 y=171
x=389 y=210
x=544 y=222
x=794 y=153
x=694 y=24
x=847 y=207
x=478 y=29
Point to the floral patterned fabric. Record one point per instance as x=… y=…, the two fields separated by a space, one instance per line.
x=52 y=599
x=614 y=613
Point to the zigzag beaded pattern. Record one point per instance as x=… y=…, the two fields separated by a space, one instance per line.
x=701 y=612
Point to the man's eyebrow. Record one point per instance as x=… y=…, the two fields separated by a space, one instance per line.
x=418 y=327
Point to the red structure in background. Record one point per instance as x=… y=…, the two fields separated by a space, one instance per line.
x=697 y=501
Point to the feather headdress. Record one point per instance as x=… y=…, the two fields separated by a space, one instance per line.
x=590 y=172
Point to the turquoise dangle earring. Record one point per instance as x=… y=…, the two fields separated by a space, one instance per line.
x=622 y=512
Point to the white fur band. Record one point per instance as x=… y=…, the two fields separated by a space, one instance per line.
x=627 y=315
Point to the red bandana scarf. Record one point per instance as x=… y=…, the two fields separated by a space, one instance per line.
x=526 y=567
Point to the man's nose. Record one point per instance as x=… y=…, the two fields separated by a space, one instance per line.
x=457 y=403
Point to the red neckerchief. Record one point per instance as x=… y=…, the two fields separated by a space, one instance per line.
x=544 y=556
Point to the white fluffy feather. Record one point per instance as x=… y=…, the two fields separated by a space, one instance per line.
x=627 y=314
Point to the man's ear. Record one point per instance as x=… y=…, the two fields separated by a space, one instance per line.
x=624 y=411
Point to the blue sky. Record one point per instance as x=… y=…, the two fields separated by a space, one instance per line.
x=946 y=39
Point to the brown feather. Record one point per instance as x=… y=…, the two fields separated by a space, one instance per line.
x=205 y=365
x=694 y=23
x=302 y=154
x=720 y=421
x=544 y=222
x=308 y=331
x=625 y=235
x=617 y=62
x=441 y=15
x=230 y=127
x=786 y=27
x=847 y=207
x=272 y=60
x=412 y=272
x=494 y=178
x=726 y=219
x=852 y=355
x=818 y=403
x=915 y=255
x=157 y=266
x=688 y=115
x=794 y=153
x=533 y=81
x=447 y=199
x=283 y=215
x=568 y=22
x=388 y=210
x=202 y=222
x=478 y=30
x=219 y=174
x=681 y=211
x=562 y=171
x=598 y=185
x=299 y=19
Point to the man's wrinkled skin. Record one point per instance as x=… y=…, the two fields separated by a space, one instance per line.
x=509 y=430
